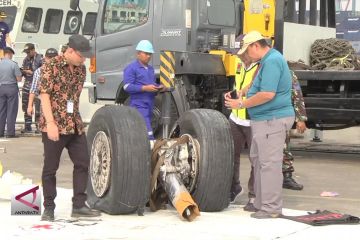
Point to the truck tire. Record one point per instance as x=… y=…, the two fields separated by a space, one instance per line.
x=212 y=131
x=127 y=186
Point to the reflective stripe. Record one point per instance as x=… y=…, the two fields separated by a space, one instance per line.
x=126 y=85
x=239 y=121
x=242 y=79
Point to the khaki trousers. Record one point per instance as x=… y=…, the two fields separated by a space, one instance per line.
x=267 y=154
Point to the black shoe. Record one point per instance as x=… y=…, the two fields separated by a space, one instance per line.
x=249 y=207
x=290 y=183
x=84 y=212
x=48 y=215
x=26 y=131
x=264 y=215
x=235 y=193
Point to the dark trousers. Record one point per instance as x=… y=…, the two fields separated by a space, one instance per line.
x=9 y=101
x=78 y=152
x=25 y=102
x=241 y=135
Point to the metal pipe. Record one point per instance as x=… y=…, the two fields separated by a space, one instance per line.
x=331 y=13
x=302 y=11
x=166 y=113
x=291 y=11
x=354 y=5
x=180 y=197
x=323 y=13
x=313 y=12
x=279 y=25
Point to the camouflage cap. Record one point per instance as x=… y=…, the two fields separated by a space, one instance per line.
x=237 y=45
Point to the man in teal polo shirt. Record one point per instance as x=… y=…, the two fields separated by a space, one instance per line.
x=271 y=114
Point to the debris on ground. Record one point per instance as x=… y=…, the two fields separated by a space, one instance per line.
x=8 y=180
x=329 y=194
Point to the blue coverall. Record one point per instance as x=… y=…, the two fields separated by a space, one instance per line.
x=137 y=75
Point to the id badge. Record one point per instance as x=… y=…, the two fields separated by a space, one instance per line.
x=70 y=106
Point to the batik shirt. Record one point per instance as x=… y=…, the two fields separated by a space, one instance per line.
x=63 y=86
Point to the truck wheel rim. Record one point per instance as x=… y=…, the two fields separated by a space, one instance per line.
x=194 y=158
x=100 y=163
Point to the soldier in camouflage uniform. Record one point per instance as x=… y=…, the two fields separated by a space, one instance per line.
x=300 y=118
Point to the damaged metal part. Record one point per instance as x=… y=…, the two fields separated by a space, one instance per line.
x=175 y=166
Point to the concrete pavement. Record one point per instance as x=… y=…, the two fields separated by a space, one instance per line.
x=317 y=171
x=232 y=223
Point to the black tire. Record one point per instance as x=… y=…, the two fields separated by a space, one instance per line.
x=126 y=132
x=212 y=130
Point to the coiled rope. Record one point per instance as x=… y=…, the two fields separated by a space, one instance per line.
x=333 y=54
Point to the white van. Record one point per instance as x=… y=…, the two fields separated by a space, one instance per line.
x=49 y=23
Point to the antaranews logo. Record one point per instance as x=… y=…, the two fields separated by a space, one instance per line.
x=26 y=200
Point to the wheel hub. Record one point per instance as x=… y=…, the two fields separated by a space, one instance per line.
x=100 y=163
x=194 y=158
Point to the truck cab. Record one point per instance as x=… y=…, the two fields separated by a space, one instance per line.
x=182 y=26
x=199 y=27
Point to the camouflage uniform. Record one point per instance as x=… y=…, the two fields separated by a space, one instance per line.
x=300 y=116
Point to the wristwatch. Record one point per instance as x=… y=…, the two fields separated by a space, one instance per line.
x=241 y=105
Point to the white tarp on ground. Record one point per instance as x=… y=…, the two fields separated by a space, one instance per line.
x=232 y=223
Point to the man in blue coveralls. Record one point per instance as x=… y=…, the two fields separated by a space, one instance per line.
x=139 y=79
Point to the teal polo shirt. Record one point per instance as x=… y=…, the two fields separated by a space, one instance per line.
x=273 y=76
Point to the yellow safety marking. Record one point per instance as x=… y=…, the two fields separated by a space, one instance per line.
x=167 y=63
x=165 y=77
x=171 y=57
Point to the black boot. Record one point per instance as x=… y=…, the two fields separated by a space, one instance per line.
x=48 y=215
x=84 y=212
x=290 y=183
x=27 y=129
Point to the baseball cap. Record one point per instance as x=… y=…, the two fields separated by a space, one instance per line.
x=9 y=49
x=81 y=44
x=51 y=52
x=237 y=47
x=28 y=47
x=249 y=38
x=3 y=14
